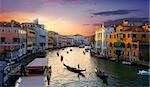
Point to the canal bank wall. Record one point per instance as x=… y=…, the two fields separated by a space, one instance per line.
x=141 y=64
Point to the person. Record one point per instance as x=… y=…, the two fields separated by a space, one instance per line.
x=22 y=70
x=57 y=54
x=78 y=66
x=49 y=75
x=61 y=58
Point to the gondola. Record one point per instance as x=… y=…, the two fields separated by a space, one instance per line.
x=72 y=69
x=57 y=54
x=70 y=49
x=67 y=52
x=101 y=74
x=83 y=52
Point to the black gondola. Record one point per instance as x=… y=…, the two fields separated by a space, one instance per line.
x=101 y=74
x=83 y=52
x=61 y=58
x=70 y=49
x=86 y=51
x=67 y=52
x=73 y=69
x=57 y=54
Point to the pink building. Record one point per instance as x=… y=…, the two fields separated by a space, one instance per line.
x=9 y=40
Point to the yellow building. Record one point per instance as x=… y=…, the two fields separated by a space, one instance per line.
x=127 y=43
x=31 y=37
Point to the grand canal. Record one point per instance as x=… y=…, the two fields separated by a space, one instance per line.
x=119 y=75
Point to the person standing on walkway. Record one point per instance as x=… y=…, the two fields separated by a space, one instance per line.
x=78 y=66
x=22 y=70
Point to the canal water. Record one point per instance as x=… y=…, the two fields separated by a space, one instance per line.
x=118 y=75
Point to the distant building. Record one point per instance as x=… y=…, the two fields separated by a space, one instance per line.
x=55 y=39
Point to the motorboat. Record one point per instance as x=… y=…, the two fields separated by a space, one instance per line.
x=101 y=74
x=72 y=69
x=144 y=72
x=126 y=62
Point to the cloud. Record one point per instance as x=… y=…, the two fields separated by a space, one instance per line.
x=94 y=24
x=116 y=12
x=86 y=24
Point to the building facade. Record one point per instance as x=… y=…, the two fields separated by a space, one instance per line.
x=9 y=40
x=129 y=43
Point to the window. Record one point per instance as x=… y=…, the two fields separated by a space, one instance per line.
x=15 y=31
x=128 y=53
x=128 y=35
x=134 y=35
x=134 y=54
x=122 y=52
x=2 y=39
x=9 y=30
x=110 y=36
x=110 y=44
x=15 y=39
x=124 y=35
x=117 y=35
x=128 y=45
x=134 y=46
x=143 y=35
x=3 y=30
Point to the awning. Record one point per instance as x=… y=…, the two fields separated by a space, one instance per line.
x=118 y=43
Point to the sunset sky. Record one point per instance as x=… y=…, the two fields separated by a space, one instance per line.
x=72 y=16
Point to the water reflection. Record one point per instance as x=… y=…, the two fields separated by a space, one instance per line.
x=118 y=75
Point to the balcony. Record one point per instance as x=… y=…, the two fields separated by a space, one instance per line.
x=8 y=44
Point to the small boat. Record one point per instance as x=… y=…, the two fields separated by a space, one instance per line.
x=57 y=54
x=63 y=49
x=61 y=58
x=144 y=72
x=72 y=69
x=86 y=51
x=70 y=49
x=101 y=74
x=83 y=52
x=81 y=46
x=126 y=62
x=67 y=52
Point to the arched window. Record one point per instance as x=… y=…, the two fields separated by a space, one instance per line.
x=128 y=45
x=110 y=44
